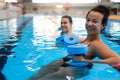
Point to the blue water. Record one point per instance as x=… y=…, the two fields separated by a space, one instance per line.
x=36 y=48
x=113 y=28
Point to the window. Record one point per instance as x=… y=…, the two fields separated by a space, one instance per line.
x=10 y=0
x=115 y=0
x=65 y=1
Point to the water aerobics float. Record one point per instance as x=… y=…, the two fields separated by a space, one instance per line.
x=67 y=39
x=74 y=48
x=77 y=50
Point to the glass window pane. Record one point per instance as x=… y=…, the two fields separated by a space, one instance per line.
x=10 y=0
x=116 y=0
x=65 y=1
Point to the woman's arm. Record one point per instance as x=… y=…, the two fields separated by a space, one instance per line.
x=110 y=61
x=104 y=53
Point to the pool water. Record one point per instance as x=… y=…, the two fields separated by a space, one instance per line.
x=36 y=48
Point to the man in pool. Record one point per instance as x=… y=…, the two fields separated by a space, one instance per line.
x=96 y=20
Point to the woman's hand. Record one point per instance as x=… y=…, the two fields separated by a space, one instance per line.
x=116 y=66
x=78 y=58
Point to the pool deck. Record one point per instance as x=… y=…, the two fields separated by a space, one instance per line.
x=114 y=17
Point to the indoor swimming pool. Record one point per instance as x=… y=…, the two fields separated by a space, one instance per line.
x=32 y=40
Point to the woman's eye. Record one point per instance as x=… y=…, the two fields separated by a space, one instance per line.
x=95 y=21
x=88 y=20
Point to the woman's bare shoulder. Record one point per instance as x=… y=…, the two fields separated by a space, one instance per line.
x=99 y=46
x=102 y=50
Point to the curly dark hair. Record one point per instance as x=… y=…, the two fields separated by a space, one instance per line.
x=103 y=9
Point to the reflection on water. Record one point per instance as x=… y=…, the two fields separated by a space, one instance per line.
x=113 y=28
x=112 y=31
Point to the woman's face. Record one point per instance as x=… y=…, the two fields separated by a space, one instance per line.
x=94 y=23
x=65 y=25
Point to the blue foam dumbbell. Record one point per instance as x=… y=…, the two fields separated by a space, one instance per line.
x=67 y=39
x=77 y=49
